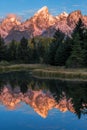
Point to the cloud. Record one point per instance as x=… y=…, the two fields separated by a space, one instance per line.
x=53 y=11
x=59 y=10
x=27 y=13
x=76 y=5
x=22 y=15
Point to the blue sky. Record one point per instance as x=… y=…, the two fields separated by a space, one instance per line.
x=26 y=8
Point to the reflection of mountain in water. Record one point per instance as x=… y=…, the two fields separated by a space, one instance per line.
x=41 y=102
x=43 y=95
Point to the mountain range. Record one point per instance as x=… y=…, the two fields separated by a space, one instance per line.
x=41 y=102
x=41 y=24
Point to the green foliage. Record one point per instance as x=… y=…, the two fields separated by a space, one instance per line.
x=35 y=53
x=39 y=46
x=79 y=30
x=85 y=47
x=23 y=51
x=58 y=39
x=76 y=58
x=63 y=52
x=79 y=47
x=2 y=49
x=12 y=50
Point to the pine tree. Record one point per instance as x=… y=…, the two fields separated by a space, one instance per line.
x=2 y=49
x=58 y=38
x=79 y=29
x=35 y=53
x=12 y=51
x=85 y=47
x=23 y=51
x=76 y=58
x=63 y=52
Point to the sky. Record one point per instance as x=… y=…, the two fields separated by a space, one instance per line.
x=27 y=8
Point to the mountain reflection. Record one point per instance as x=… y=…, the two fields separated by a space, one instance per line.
x=43 y=95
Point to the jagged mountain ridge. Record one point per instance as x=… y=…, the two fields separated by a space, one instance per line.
x=42 y=23
x=8 y=23
x=41 y=102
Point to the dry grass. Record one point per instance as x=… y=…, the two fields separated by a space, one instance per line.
x=58 y=72
x=46 y=71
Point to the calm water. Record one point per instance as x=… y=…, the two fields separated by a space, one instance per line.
x=27 y=103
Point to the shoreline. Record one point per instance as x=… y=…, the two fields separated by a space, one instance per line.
x=47 y=72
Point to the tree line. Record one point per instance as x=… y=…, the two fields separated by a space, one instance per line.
x=25 y=51
x=61 y=50
x=69 y=51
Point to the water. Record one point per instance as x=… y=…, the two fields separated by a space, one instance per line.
x=27 y=103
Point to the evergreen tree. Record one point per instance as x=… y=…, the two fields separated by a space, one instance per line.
x=85 y=47
x=63 y=52
x=2 y=49
x=76 y=58
x=79 y=29
x=35 y=53
x=12 y=49
x=41 y=51
x=23 y=51
x=58 y=39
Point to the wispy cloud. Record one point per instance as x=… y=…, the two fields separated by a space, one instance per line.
x=27 y=13
x=76 y=5
x=53 y=11
x=59 y=10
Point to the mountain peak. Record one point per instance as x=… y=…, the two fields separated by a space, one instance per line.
x=45 y=8
x=42 y=23
x=64 y=14
x=12 y=17
x=42 y=10
x=73 y=18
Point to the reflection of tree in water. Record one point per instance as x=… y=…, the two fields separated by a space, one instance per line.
x=76 y=91
x=23 y=87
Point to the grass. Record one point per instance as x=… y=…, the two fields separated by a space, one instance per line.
x=46 y=71
x=19 y=67
x=61 y=73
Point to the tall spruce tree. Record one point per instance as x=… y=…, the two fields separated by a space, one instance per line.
x=63 y=52
x=85 y=47
x=12 y=49
x=79 y=29
x=2 y=49
x=23 y=54
x=76 y=58
x=35 y=53
x=58 y=39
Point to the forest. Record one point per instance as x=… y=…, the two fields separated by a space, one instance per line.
x=61 y=50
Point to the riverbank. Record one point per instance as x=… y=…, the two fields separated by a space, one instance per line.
x=46 y=71
x=19 y=67
x=62 y=74
x=52 y=72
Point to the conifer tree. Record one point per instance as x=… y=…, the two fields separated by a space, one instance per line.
x=58 y=38
x=12 y=51
x=63 y=52
x=2 y=49
x=76 y=58
x=23 y=54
